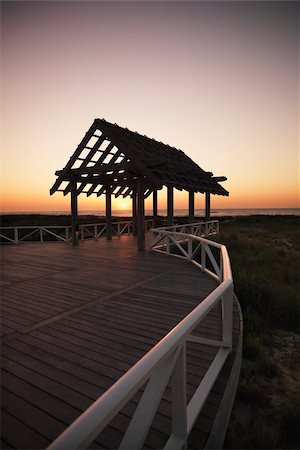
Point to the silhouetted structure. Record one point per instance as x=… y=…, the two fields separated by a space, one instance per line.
x=112 y=160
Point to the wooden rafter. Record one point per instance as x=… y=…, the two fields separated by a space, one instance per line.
x=98 y=169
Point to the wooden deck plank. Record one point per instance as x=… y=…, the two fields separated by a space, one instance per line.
x=78 y=318
x=47 y=384
x=17 y=434
x=44 y=424
x=39 y=398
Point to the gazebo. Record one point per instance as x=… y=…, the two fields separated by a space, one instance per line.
x=111 y=160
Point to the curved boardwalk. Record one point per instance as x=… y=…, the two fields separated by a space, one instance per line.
x=75 y=319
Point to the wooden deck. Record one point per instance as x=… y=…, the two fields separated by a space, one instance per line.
x=75 y=319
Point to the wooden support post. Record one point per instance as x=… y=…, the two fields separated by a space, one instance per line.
x=170 y=206
x=134 y=212
x=192 y=206
x=108 y=213
x=207 y=206
x=155 y=216
x=140 y=215
x=74 y=212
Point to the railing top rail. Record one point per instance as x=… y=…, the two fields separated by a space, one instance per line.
x=121 y=222
x=227 y=272
x=171 y=227
x=191 y=236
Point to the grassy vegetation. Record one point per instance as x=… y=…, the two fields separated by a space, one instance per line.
x=265 y=259
x=264 y=253
x=18 y=220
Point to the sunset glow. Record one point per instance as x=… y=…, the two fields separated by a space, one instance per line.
x=122 y=204
x=218 y=80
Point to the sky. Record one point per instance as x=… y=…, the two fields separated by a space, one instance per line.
x=218 y=80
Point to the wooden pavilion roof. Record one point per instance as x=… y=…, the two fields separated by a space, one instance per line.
x=112 y=157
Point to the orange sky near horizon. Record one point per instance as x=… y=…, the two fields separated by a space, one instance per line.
x=238 y=200
x=218 y=80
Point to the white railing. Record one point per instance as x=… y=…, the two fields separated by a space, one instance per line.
x=95 y=230
x=202 y=229
x=16 y=235
x=19 y=234
x=166 y=361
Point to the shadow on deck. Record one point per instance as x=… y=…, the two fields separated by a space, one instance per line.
x=75 y=319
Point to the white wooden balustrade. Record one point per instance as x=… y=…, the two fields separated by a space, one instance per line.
x=21 y=234
x=167 y=359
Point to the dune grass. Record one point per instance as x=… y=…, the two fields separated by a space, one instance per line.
x=265 y=258
x=18 y=220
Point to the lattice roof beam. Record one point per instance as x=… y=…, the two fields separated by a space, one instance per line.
x=128 y=184
x=81 y=188
x=114 y=158
x=89 y=156
x=105 y=151
x=148 y=193
x=88 y=135
x=127 y=192
x=107 y=179
x=117 y=190
x=92 y=189
x=98 y=169
x=101 y=191
x=120 y=191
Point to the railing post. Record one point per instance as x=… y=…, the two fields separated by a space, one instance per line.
x=81 y=229
x=201 y=230
x=191 y=206
x=203 y=257
x=155 y=216
x=74 y=212
x=190 y=248
x=206 y=229
x=151 y=239
x=140 y=214
x=207 y=206
x=221 y=267
x=168 y=244
x=134 y=213
x=108 y=213
x=179 y=402
x=170 y=205
x=227 y=311
x=16 y=235
x=41 y=235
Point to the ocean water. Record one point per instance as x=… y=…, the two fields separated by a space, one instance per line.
x=180 y=212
